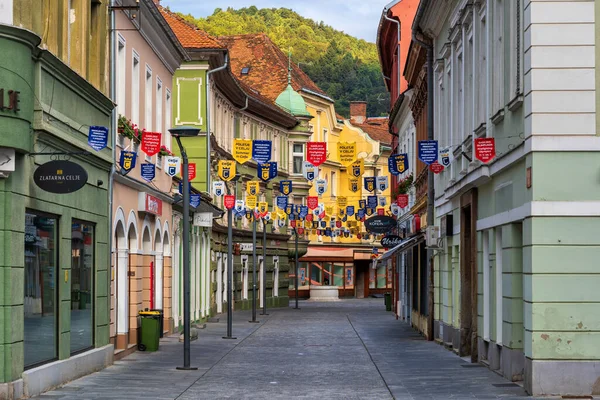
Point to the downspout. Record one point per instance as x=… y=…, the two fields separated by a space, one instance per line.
x=113 y=123
x=397 y=47
x=430 y=136
x=208 y=150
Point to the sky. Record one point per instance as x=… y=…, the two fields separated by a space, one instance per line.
x=358 y=18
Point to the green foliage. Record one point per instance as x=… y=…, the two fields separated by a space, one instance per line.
x=345 y=67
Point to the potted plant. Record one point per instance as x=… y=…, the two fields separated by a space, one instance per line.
x=164 y=151
x=404 y=185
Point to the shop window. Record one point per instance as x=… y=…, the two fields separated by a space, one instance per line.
x=82 y=286
x=40 y=304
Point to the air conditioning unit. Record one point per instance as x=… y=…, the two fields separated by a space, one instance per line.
x=432 y=237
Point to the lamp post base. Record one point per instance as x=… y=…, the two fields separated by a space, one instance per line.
x=187 y=368
x=229 y=337
x=254 y=322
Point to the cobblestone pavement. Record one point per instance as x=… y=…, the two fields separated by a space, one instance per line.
x=352 y=349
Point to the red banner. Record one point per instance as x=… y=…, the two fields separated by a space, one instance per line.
x=485 y=149
x=402 y=200
x=300 y=231
x=151 y=143
x=338 y=224
x=293 y=223
x=312 y=202
x=309 y=217
x=229 y=201
x=436 y=167
x=380 y=211
x=191 y=171
x=316 y=153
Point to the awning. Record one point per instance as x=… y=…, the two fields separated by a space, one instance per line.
x=361 y=255
x=328 y=253
x=405 y=245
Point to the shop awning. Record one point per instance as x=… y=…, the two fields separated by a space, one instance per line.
x=328 y=253
x=405 y=245
x=362 y=255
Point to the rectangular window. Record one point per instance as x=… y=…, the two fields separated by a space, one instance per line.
x=167 y=118
x=298 y=154
x=516 y=49
x=148 y=104
x=486 y=285
x=498 y=57
x=159 y=106
x=121 y=65
x=333 y=184
x=325 y=136
x=135 y=89
x=482 y=84
x=82 y=286
x=40 y=304
x=236 y=126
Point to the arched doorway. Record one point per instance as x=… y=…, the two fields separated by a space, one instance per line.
x=157 y=273
x=121 y=282
x=167 y=284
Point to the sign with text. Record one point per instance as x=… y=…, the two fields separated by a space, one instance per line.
x=436 y=167
x=148 y=171
x=229 y=201
x=371 y=201
x=98 y=137
x=194 y=200
x=402 y=200
x=285 y=187
x=226 y=170
x=149 y=204
x=354 y=184
x=312 y=202
x=346 y=153
x=282 y=202
x=267 y=171
x=242 y=150
x=191 y=171
x=127 y=161
x=357 y=168
x=309 y=171
x=253 y=188
x=218 y=188
x=445 y=156
x=380 y=224
x=60 y=176
x=382 y=183
x=321 y=186
x=428 y=151
x=369 y=183
x=172 y=165
x=151 y=143
x=485 y=149
x=398 y=163
x=316 y=153
x=251 y=201
x=261 y=151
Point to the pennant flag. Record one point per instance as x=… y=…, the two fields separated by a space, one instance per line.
x=127 y=161
x=253 y=188
x=371 y=201
x=226 y=170
x=240 y=206
x=303 y=211
x=369 y=183
x=242 y=150
x=321 y=186
x=316 y=153
x=428 y=151
x=445 y=157
x=148 y=171
x=309 y=171
x=151 y=143
x=342 y=201
x=194 y=200
x=263 y=208
x=285 y=187
x=191 y=171
x=261 y=151
x=329 y=210
x=350 y=210
x=357 y=169
x=382 y=201
x=172 y=165
x=362 y=203
x=251 y=201
x=282 y=202
x=181 y=187
x=354 y=184
x=485 y=149
x=370 y=211
x=267 y=171
x=395 y=209
x=382 y=183
x=346 y=153
x=218 y=188
x=398 y=163
x=98 y=137
x=289 y=209
x=312 y=202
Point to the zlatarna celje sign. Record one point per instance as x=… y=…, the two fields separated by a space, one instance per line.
x=60 y=177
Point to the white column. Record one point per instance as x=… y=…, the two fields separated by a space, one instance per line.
x=261 y=263
x=175 y=280
x=499 y=289
x=122 y=291
x=193 y=287
x=158 y=280
x=219 y=283
x=486 y=285
x=207 y=281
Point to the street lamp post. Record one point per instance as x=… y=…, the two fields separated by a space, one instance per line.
x=178 y=133
x=264 y=271
x=296 y=273
x=253 y=267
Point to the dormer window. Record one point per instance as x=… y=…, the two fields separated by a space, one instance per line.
x=245 y=70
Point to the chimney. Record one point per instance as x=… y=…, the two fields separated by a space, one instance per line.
x=358 y=112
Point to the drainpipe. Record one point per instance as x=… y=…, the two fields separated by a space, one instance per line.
x=430 y=188
x=208 y=150
x=113 y=123
x=397 y=46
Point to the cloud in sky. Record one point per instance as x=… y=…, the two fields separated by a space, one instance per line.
x=356 y=17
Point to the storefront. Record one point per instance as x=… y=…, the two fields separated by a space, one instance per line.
x=54 y=222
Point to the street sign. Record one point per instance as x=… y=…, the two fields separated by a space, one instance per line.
x=428 y=151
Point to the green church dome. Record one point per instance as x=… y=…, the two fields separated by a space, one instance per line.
x=292 y=102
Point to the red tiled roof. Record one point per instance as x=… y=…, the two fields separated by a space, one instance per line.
x=189 y=35
x=377 y=129
x=268 y=65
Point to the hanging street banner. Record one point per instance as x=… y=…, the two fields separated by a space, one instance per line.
x=316 y=153
x=370 y=211
x=329 y=210
x=192 y=171
x=321 y=186
x=309 y=171
x=357 y=169
x=485 y=149
x=369 y=183
x=172 y=165
x=350 y=211
x=242 y=150
x=445 y=157
x=346 y=153
x=382 y=201
x=181 y=187
x=253 y=188
x=289 y=209
x=303 y=212
x=218 y=188
x=398 y=163
x=382 y=183
x=251 y=201
x=342 y=201
x=195 y=200
x=428 y=151
x=263 y=208
x=436 y=167
x=151 y=143
x=402 y=200
x=148 y=171
x=354 y=184
x=360 y=214
x=371 y=201
x=395 y=209
x=312 y=202
x=381 y=211
x=240 y=206
x=226 y=170
x=282 y=202
x=98 y=137
x=229 y=201
x=362 y=203
x=267 y=171
x=127 y=161
x=285 y=187
x=261 y=151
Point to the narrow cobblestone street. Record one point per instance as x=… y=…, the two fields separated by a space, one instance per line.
x=352 y=349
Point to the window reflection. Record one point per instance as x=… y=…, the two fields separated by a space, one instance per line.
x=82 y=271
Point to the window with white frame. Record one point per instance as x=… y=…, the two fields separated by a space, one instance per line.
x=135 y=89
x=499 y=287
x=159 y=105
x=482 y=85
x=275 y=276
x=516 y=49
x=121 y=67
x=325 y=135
x=468 y=92
x=298 y=157
x=333 y=184
x=168 y=118
x=148 y=103
x=498 y=56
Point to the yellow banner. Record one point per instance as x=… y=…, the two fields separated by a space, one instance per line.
x=263 y=207
x=242 y=150
x=354 y=184
x=346 y=153
x=253 y=188
x=342 y=201
x=251 y=201
x=226 y=170
x=329 y=210
x=357 y=169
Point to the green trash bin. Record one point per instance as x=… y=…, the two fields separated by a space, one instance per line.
x=150 y=330
x=388 y=302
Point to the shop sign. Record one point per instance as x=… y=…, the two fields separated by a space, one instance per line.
x=151 y=143
x=60 y=176
x=485 y=149
x=380 y=224
x=246 y=246
x=346 y=153
x=242 y=150
x=428 y=151
x=316 y=153
x=203 y=219
x=229 y=201
x=149 y=204
x=7 y=160
x=436 y=167
x=261 y=151
x=98 y=137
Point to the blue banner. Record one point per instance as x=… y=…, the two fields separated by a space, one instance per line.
x=194 y=200
x=428 y=151
x=261 y=151
x=98 y=137
x=362 y=203
x=398 y=163
x=303 y=211
x=267 y=171
x=289 y=209
x=350 y=211
x=369 y=183
x=127 y=161
x=372 y=201
x=282 y=202
x=181 y=187
x=360 y=214
x=285 y=187
x=148 y=171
